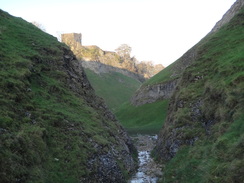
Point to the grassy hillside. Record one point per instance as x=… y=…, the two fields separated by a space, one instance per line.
x=144 y=119
x=211 y=159
x=162 y=76
x=52 y=126
x=204 y=130
x=115 y=88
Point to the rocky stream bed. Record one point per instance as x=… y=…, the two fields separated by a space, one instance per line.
x=149 y=171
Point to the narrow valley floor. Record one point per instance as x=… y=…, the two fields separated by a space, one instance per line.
x=149 y=171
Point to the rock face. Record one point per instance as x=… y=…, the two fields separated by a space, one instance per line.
x=229 y=15
x=152 y=93
x=183 y=62
x=53 y=127
x=95 y=54
x=100 y=68
x=172 y=136
x=103 y=164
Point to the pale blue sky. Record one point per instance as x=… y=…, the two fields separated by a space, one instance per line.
x=157 y=30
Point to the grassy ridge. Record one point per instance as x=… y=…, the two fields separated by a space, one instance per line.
x=144 y=119
x=216 y=79
x=49 y=127
x=115 y=88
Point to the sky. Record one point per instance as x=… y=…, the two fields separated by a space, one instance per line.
x=157 y=30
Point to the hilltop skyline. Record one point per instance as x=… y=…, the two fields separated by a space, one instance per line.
x=158 y=31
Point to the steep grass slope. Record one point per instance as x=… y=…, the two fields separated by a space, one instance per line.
x=202 y=138
x=53 y=128
x=115 y=88
x=144 y=119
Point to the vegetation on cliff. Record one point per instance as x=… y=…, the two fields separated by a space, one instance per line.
x=53 y=128
x=120 y=59
x=202 y=137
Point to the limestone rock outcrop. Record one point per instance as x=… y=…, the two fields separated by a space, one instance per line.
x=152 y=93
x=100 y=68
x=229 y=15
x=95 y=54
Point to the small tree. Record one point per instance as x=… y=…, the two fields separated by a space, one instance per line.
x=124 y=51
x=39 y=25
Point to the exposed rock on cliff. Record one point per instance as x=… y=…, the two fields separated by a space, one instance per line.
x=94 y=53
x=100 y=68
x=229 y=15
x=152 y=93
x=146 y=95
x=162 y=87
x=196 y=54
x=203 y=132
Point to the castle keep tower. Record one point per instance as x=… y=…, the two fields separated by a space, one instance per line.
x=71 y=38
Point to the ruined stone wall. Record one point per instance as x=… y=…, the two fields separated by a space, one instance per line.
x=71 y=38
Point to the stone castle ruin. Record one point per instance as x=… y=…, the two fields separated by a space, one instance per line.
x=71 y=38
x=96 y=54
